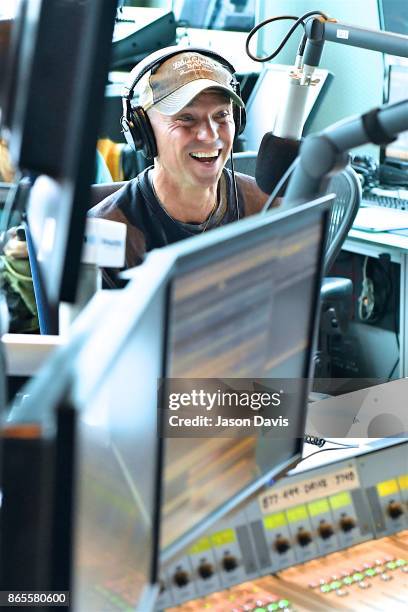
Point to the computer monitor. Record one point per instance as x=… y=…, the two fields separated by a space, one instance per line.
x=138 y=33
x=92 y=524
x=239 y=301
x=238 y=15
x=58 y=97
x=269 y=94
x=394 y=16
x=395 y=154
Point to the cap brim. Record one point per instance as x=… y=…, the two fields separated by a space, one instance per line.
x=176 y=101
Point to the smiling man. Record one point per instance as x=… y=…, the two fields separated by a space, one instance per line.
x=188 y=103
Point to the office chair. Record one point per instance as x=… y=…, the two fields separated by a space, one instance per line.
x=100 y=191
x=336 y=293
x=244 y=162
x=346 y=186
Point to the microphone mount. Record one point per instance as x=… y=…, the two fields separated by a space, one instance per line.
x=326 y=153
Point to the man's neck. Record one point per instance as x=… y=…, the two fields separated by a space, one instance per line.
x=186 y=204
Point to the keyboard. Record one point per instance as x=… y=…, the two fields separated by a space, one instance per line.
x=386 y=198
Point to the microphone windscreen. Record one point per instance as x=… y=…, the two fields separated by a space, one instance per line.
x=274 y=157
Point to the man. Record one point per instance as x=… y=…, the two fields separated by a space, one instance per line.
x=189 y=102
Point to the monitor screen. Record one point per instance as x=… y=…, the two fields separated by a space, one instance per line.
x=394 y=16
x=269 y=94
x=397 y=152
x=236 y=15
x=139 y=32
x=233 y=313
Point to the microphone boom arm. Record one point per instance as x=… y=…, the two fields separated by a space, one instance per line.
x=319 y=31
x=326 y=153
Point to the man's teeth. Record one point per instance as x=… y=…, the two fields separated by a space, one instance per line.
x=202 y=154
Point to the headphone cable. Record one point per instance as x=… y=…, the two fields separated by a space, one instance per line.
x=234 y=182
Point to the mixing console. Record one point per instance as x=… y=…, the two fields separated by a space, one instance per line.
x=369 y=576
x=335 y=527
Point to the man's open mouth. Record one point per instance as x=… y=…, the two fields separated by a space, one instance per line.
x=206 y=156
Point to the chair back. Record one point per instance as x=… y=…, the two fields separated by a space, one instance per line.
x=100 y=191
x=244 y=162
x=346 y=186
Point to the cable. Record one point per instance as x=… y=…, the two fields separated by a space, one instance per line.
x=394 y=367
x=298 y=21
x=279 y=186
x=341 y=444
x=314 y=440
x=323 y=450
x=320 y=442
x=254 y=30
x=366 y=300
x=234 y=182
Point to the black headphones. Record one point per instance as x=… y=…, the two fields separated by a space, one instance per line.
x=136 y=126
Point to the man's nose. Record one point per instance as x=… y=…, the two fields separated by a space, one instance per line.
x=207 y=130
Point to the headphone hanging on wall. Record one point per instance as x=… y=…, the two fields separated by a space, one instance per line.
x=136 y=126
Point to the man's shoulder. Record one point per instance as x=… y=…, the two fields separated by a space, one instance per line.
x=254 y=198
x=115 y=204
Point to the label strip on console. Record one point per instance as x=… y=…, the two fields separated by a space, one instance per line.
x=279 y=498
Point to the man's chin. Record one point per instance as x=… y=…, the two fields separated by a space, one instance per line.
x=206 y=174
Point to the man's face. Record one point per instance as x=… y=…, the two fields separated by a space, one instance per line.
x=193 y=145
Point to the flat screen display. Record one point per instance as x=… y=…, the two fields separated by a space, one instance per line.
x=242 y=311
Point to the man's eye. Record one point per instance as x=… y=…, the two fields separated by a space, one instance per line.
x=185 y=118
x=223 y=114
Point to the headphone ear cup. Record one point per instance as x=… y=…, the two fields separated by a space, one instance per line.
x=144 y=131
x=239 y=113
x=129 y=133
x=138 y=132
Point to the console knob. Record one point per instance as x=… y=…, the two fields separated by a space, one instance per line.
x=281 y=544
x=394 y=509
x=205 y=570
x=229 y=562
x=181 y=578
x=347 y=523
x=325 y=530
x=304 y=537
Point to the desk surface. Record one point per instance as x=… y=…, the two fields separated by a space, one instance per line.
x=374 y=243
